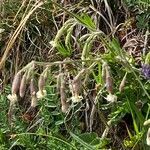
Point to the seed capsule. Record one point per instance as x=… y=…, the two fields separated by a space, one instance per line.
x=23 y=85
x=16 y=83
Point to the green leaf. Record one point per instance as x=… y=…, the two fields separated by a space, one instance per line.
x=133 y=117
x=59 y=122
x=79 y=140
x=87 y=21
x=55 y=113
x=51 y=106
x=95 y=77
x=88 y=137
x=64 y=51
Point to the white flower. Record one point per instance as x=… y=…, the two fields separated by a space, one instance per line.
x=111 y=98
x=1 y=30
x=12 y=98
x=53 y=43
x=148 y=137
x=147 y=122
x=40 y=94
x=76 y=98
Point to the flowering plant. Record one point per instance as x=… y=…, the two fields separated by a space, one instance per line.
x=146 y=67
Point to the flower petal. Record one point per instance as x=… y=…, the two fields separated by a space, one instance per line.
x=76 y=99
x=111 y=98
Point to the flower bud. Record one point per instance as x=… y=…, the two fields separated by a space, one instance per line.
x=122 y=84
x=42 y=79
x=63 y=96
x=23 y=83
x=33 y=101
x=32 y=87
x=76 y=87
x=109 y=82
x=41 y=83
x=16 y=83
